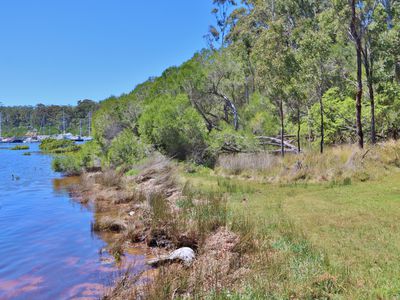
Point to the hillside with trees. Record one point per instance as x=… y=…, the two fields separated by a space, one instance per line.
x=278 y=75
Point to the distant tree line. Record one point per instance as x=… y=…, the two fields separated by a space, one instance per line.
x=47 y=119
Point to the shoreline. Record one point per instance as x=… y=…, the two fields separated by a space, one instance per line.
x=144 y=212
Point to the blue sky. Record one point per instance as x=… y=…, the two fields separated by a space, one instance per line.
x=61 y=51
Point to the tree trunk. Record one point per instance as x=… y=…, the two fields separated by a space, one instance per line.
x=389 y=18
x=372 y=101
x=282 y=128
x=298 y=130
x=357 y=40
x=322 y=129
x=368 y=64
x=229 y=103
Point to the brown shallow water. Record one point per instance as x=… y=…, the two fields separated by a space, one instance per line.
x=47 y=248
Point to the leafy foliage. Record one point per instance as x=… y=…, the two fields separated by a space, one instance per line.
x=174 y=127
x=126 y=149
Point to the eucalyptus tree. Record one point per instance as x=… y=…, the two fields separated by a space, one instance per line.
x=224 y=21
x=216 y=88
x=317 y=38
x=276 y=72
x=373 y=19
x=356 y=36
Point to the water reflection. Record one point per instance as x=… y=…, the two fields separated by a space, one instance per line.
x=47 y=249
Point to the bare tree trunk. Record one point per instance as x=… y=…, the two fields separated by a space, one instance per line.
x=232 y=106
x=298 y=129
x=322 y=129
x=359 y=93
x=282 y=128
x=372 y=101
x=368 y=64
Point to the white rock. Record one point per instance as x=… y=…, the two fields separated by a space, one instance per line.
x=186 y=255
x=131 y=213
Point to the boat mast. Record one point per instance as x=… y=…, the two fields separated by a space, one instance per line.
x=63 y=121
x=89 y=123
x=80 y=127
x=0 y=123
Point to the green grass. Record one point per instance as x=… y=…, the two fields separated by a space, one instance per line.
x=338 y=240
x=20 y=147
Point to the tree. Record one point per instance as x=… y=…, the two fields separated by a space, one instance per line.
x=216 y=88
x=355 y=34
x=276 y=72
x=223 y=23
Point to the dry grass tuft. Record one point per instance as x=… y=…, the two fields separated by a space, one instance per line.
x=238 y=163
x=109 y=224
x=109 y=178
x=336 y=165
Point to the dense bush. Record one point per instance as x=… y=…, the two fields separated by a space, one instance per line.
x=174 y=127
x=113 y=117
x=262 y=116
x=74 y=163
x=126 y=149
x=229 y=140
x=67 y=164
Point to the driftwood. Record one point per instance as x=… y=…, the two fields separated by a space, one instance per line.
x=273 y=141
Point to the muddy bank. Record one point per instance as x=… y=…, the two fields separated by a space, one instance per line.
x=157 y=212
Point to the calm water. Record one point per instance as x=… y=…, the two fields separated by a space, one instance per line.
x=47 y=249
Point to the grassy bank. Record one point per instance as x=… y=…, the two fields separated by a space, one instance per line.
x=316 y=240
x=303 y=227
x=330 y=233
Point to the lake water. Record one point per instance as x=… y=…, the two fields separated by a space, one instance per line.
x=47 y=248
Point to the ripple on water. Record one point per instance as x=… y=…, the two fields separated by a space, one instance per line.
x=48 y=250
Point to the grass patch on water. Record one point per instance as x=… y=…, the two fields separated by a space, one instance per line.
x=20 y=147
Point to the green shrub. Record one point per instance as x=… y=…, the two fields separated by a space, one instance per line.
x=229 y=140
x=126 y=150
x=115 y=115
x=174 y=128
x=67 y=164
x=74 y=163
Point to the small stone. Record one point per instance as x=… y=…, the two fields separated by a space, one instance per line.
x=131 y=213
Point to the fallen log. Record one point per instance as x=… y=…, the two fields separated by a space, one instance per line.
x=277 y=142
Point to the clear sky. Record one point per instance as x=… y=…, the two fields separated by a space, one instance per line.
x=61 y=51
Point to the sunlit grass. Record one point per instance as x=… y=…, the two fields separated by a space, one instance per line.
x=332 y=240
